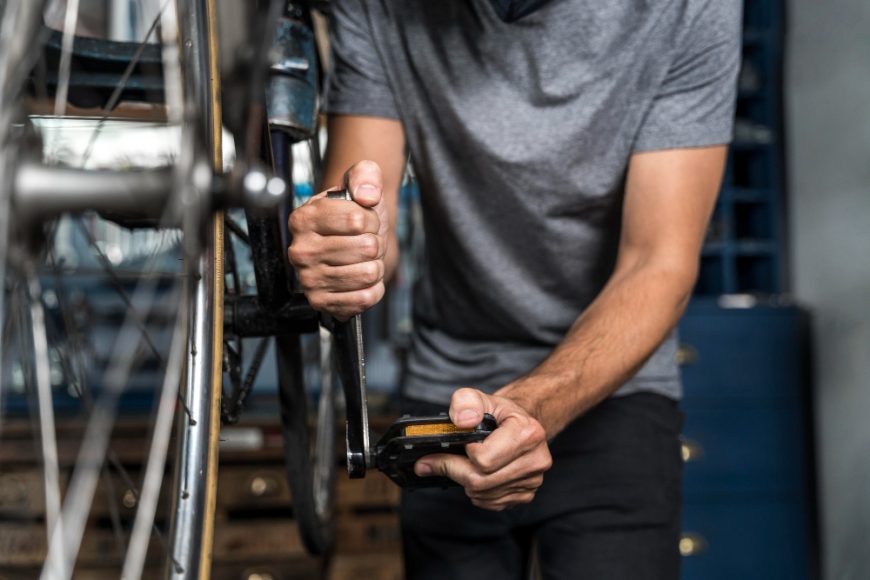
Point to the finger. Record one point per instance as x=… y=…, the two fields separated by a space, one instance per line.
x=343 y=305
x=365 y=183
x=525 y=468
x=525 y=471
x=456 y=467
x=331 y=217
x=467 y=407
x=529 y=484
x=313 y=249
x=505 y=502
x=342 y=278
x=516 y=435
x=347 y=250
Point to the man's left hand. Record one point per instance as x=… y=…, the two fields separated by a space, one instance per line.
x=505 y=469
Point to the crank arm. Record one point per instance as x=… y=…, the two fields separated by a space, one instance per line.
x=406 y=440
x=351 y=368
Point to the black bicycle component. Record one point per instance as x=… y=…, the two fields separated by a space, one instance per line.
x=411 y=438
x=351 y=369
x=244 y=316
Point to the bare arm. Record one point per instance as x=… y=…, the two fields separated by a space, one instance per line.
x=344 y=252
x=669 y=198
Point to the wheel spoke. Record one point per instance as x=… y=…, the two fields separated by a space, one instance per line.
x=144 y=521
x=48 y=437
x=122 y=84
x=64 y=546
x=70 y=23
x=125 y=297
x=117 y=285
x=83 y=391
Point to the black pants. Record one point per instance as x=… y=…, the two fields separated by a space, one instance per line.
x=609 y=508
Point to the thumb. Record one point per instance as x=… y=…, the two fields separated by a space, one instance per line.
x=365 y=183
x=467 y=407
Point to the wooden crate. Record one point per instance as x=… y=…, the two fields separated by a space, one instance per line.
x=255 y=536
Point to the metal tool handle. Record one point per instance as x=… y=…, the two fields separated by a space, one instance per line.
x=350 y=355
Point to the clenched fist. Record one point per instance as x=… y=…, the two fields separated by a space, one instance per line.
x=339 y=247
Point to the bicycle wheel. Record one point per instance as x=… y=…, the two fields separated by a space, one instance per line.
x=96 y=314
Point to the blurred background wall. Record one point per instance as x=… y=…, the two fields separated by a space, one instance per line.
x=827 y=92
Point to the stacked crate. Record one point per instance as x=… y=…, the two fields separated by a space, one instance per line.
x=255 y=535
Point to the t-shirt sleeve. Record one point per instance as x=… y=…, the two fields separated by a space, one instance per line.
x=357 y=83
x=694 y=106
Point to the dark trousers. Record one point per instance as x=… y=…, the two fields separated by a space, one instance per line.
x=609 y=508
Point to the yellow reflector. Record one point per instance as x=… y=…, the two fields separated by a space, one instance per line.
x=433 y=429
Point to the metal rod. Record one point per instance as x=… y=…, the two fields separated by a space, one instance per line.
x=48 y=436
x=144 y=521
x=70 y=24
x=44 y=191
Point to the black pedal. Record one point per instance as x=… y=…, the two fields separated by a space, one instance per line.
x=410 y=438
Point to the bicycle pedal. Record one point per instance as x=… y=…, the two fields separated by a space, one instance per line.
x=411 y=438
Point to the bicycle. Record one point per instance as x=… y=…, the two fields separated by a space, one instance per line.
x=191 y=195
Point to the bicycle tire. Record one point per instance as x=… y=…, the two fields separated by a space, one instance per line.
x=310 y=463
x=196 y=460
x=199 y=430
x=311 y=481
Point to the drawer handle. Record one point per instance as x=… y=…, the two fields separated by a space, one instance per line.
x=692 y=544
x=263 y=485
x=687 y=355
x=691 y=450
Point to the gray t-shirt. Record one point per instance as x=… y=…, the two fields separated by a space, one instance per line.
x=520 y=136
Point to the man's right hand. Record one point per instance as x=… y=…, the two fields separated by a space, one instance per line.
x=339 y=247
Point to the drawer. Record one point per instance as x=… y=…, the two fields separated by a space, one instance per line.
x=750 y=540
x=742 y=353
x=739 y=450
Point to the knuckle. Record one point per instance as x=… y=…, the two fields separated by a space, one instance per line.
x=369 y=246
x=356 y=222
x=301 y=217
x=532 y=432
x=294 y=221
x=525 y=497
x=371 y=273
x=317 y=300
x=307 y=279
x=546 y=463
x=297 y=253
x=475 y=483
x=486 y=463
x=371 y=296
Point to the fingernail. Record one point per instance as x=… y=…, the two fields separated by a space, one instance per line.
x=467 y=416
x=365 y=189
x=423 y=469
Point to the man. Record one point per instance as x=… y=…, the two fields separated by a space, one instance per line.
x=569 y=154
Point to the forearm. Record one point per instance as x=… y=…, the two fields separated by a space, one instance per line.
x=670 y=196
x=606 y=345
